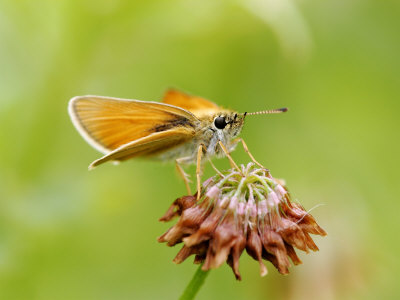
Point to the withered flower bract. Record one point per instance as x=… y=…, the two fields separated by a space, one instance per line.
x=241 y=210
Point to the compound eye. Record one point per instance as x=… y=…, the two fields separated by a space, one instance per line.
x=220 y=122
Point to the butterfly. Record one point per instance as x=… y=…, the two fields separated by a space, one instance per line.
x=182 y=127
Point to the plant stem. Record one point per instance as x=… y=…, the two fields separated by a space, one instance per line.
x=194 y=285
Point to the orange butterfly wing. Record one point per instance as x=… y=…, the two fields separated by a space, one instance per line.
x=110 y=123
x=150 y=145
x=196 y=105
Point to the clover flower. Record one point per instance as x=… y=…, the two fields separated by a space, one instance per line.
x=241 y=210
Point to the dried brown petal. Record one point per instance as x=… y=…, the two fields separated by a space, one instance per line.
x=292 y=254
x=274 y=245
x=236 y=252
x=283 y=269
x=310 y=242
x=177 y=207
x=206 y=228
x=254 y=248
x=292 y=234
x=306 y=221
x=188 y=223
x=224 y=238
x=185 y=252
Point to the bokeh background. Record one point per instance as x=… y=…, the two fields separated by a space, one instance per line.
x=66 y=233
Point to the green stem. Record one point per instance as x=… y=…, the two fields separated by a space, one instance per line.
x=194 y=285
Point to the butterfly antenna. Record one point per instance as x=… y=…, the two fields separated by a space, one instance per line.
x=265 y=112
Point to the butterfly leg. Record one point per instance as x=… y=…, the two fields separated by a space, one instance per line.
x=215 y=168
x=181 y=172
x=198 y=169
x=233 y=164
x=246 y=149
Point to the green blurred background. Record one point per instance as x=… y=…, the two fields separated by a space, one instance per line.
x=66 y=233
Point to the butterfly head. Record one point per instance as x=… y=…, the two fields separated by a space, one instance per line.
x=228 y=124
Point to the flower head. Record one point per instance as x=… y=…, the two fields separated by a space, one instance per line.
x=241 y=210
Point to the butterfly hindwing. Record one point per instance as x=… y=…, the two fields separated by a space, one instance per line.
x=196 y=105
x=150 y=145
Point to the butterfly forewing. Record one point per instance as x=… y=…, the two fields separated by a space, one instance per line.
x=110 y=123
